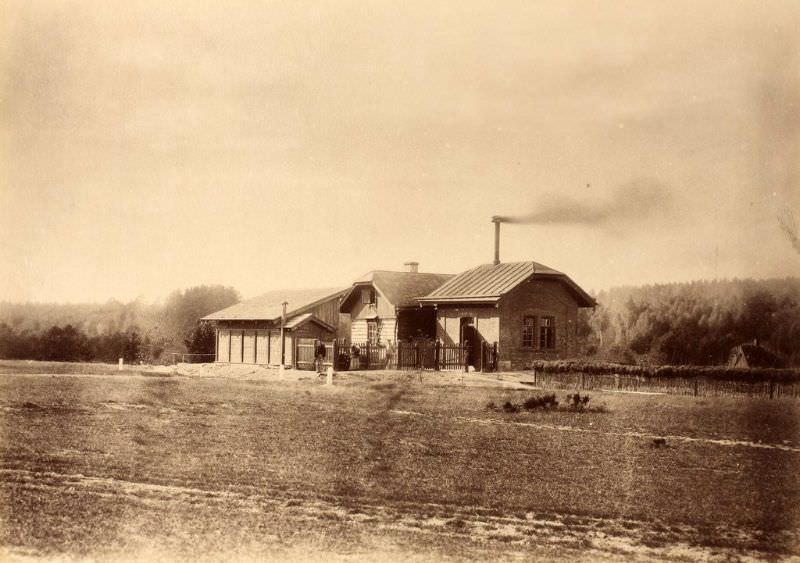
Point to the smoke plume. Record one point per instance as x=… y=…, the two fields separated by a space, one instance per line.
x=634 y=201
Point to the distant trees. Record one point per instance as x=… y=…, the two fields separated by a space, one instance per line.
x=202 y=339
x=695 y=323
x=132 y=331
x=184 y=309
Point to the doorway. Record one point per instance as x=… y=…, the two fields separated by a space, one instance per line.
x=470 y=336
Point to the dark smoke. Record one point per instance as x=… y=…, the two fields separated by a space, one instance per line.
x=632 y=202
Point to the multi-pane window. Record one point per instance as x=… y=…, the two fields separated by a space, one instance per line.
x=528 y=331
x=367 y=295
x=547 y=332
x=372 y=332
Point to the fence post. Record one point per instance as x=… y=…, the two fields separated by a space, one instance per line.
x=466 y=357
x=771 y=388
x=416 y=355
x=483 y=353
x=495 y=362
x=582 y=382
x=437 y=350
x=367 y=359
x=616 y=380
x=695 y=386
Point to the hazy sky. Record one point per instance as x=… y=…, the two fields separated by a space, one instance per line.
x=148 y=146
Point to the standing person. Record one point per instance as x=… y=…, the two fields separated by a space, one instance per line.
x=319 y=355
x=390 y=363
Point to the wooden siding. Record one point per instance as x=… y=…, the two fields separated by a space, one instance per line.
x=223 y=345
x=262 y=346
x=275 y=347
x=236 y=347
x=383 y=309
x=358 y=330
x=327 y=312
x=249 y=345
x=386 y=330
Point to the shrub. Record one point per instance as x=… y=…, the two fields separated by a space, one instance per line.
x=577 y=402
x=540 y=402
x=491 y=406
x=508 y=406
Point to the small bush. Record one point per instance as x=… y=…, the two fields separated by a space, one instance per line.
x=508 y=406
x=491 y=406
x=540 y=402
x=576 y=402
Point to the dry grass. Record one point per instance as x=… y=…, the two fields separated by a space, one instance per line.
x=114 y=466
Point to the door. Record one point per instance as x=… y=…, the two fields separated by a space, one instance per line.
x=472 y=339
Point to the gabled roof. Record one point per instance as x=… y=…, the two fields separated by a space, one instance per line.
x=298 y=320
x=757 y=356
x=487 y=283
x=268 y=306
x=401 y=289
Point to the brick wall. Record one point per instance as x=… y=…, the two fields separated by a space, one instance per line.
x=537 y=298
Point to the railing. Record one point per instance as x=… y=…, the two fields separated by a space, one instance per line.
x=420 y=355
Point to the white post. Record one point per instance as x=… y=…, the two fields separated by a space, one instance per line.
x=119 y=365
x=329 y=378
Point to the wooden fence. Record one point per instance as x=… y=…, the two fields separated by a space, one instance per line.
x=691 y=385
x=421 y=355
x=305 y=353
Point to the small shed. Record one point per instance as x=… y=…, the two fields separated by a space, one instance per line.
x=752 y=355
x=255 y=331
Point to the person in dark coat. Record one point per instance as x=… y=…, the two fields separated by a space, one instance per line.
x=319 y=355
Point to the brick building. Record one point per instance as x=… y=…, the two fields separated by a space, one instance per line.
x=528 y=309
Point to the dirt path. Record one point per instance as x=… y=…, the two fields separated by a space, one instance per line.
x=500 y=536
x=561 y=428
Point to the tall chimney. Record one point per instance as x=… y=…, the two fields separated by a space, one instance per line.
x=496 y=220
x=412 y=267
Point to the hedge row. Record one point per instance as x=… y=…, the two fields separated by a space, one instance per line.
x=749 y=375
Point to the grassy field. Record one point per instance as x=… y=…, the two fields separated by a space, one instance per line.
x=134 y=466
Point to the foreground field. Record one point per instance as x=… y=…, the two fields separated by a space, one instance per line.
x=139 y=467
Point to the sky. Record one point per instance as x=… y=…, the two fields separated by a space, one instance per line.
x=150 y=146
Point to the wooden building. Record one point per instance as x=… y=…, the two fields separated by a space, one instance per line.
x=753 y=355
x=528 y=309
x=383 y=306
x=252 y=332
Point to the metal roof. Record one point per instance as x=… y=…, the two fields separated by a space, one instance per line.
x=487 y=283
x=269 y=305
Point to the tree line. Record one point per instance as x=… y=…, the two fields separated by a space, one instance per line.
x=695 y=323
x=134 y=331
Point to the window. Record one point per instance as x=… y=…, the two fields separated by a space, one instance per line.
x=547 y=332
x=372 y=332
x=368 y=296
x=528 y=331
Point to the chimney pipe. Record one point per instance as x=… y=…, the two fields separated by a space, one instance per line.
x=496 y=220
x=412 y=267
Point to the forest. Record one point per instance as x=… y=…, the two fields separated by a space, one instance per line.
x=695 y=323
x=135 y=331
